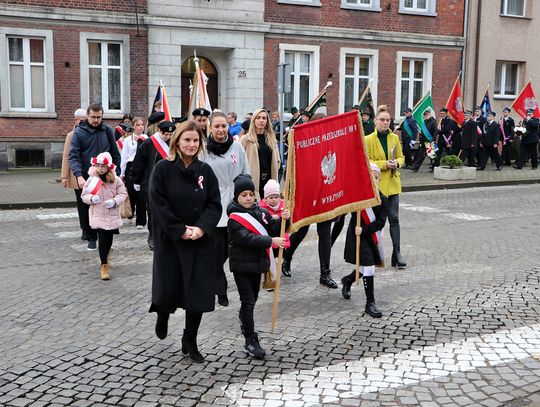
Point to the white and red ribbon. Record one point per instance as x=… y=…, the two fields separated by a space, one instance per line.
x=94 y=185
x=161 y=146
x=120 y=144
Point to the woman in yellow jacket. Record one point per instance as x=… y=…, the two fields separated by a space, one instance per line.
x=384 y=149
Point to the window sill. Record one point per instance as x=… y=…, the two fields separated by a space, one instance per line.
x=513 y=16
x=111 y=116
x=31 y=115
x=418 y=13
x=360 y=8
x=314 y=3
x=504 y=97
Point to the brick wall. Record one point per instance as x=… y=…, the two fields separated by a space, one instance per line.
x=446 y=66
x=67 y=82
x=119 y=6
x=449 y=20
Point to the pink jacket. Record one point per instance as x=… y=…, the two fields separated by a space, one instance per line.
x=101 y=217
x=264 y=204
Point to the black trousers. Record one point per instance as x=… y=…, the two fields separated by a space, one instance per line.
x=507 y=153
x=144 y=195
x=439 y=154
x=490 y=152
x=248 y=285
x=221 y=239
x=105 y=240
x=525 y=151
x=419 y=158
x=84 y=219
x=468 y=155
x=136 y=198
x=325 y=243
x=407 y=152
x=80 y=206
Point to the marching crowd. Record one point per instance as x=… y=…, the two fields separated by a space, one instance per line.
x=208 y=191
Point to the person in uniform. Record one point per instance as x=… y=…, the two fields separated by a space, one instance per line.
x=529 y=142
x=480 y=124
x=469 y=139
x=490 y=142
x=153 y=121
x=409 y=132
x=420 y=156
x=447 y=134
x=200 y=116
x=295 y=113
x=367 y=122
x=507 y=125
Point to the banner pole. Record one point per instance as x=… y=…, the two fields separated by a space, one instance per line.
x=363 y=95
x=357 y=278
x=282 y=234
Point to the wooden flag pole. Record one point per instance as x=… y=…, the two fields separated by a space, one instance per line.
x=281 y=234
x=358 y=223
x=363 y=95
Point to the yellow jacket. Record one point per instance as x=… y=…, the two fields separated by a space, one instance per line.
x=390 y=184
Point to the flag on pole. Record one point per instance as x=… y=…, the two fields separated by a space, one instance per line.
x=366 y=102
x=455 y=103
x=329 y=170
x=526 y=100
x=161 y=96
x=199 y=95
x=319 y=101
x=426 y=103
x=486 y=103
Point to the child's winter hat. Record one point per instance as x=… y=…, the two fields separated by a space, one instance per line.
x=243 y=183
x=271 y=188
x=103 y=158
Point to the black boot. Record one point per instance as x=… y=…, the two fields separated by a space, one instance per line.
x=347 y=282
x=162 y=325
x=286 y=267
x=189 y=346
x=371 y=307
x=253 y=348
x=397 y=260
x=326 y=280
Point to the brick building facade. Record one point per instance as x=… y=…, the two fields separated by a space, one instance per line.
x=403 y=48
x=55 y=58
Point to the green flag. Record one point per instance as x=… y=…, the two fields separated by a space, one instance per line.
x=426 y=103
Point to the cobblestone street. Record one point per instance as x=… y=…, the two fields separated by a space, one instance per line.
x=460 y=326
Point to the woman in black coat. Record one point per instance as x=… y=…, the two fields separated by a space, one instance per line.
x=184 y=196
x=372 y=221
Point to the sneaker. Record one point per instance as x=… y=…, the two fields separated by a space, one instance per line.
x=139 y=227
x=253 y=348
x=92 y=245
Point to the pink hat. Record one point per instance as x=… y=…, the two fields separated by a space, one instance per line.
x=375 y=168
x=103 y=158
x=271 y=188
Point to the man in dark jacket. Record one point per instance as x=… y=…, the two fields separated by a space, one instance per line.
x=409 y=132
x=448 y=133
x=490 y=142
x=507 y=125
x=529 y=142
x=431 y=126
x=91 y=138
x=469 y=139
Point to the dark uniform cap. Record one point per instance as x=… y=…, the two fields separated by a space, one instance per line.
x=201 y=111
x=294 y=110
x=127 y=127
x=492 y=113
x=156 y=117
x=443 y=110
x=357 y=107
x=507 y=109
x=408 y=110
x=180 y=119
x=530 y=111
x=245 y=124
x=167 y=126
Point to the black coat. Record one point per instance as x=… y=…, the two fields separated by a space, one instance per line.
x=508 y=125
x=369 y=253
x=247 y=250
x=450 y=130
x=531 y=134
x=492 y=134
x=144 y=162
x=368 y=127
x=184 y=271
x=431 y=126
x=469 y=135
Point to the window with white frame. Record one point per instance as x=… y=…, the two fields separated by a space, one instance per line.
x=414 y=72
x=514 y=8
x=105 y=71
x=426 y=7
x=302 y=68
x=506 y=79
x=368 y=5
x=26 y=72
x=357 y=75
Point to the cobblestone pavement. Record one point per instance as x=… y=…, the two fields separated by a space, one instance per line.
x=461 y=325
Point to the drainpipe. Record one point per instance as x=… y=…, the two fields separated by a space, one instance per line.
x=465 y=48
x=477 y=50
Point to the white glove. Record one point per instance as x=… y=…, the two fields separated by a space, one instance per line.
x=110 y=204
x=136 y=187
x=95 y=199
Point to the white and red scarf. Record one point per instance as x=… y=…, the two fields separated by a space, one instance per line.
x=161 y=146
x=94 y=185
x=368 y=216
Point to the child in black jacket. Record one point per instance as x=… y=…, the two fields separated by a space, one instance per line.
x=250 y=241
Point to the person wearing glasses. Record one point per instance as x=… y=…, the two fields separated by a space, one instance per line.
x=384 y=149
x=91 y=138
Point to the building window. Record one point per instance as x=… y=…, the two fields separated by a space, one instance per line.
x=423 y=7
x=367 y=5
x=304 y=63
x=414 y=76
x=26 y=75
x=105 y=72
x=506 y=79
x=513 y=8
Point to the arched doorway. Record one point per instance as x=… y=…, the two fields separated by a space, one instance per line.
x=188 y=70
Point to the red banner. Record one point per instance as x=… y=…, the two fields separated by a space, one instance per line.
x=526 y=100
x=455 y=104
x=329 y=170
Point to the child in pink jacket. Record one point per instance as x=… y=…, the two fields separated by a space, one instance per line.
x=104 y=192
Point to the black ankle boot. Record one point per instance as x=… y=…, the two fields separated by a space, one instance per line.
x=326 y=280
x=346 y=288
x=162 y=325
x=189 y=346
x=286 y=267
x=253 y=347
x=397 y=260
x=371 y=307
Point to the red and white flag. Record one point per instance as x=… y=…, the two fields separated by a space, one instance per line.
x=199 y=95
x=330 y=170
x=455 y=103
x=93 y=186
x=526 y=100
x=161 y=146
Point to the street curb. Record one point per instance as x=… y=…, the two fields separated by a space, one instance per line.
x=435 y=187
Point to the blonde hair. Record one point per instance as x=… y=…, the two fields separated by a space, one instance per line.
x=382 y=109
x=188 y=125
x=269 y=135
